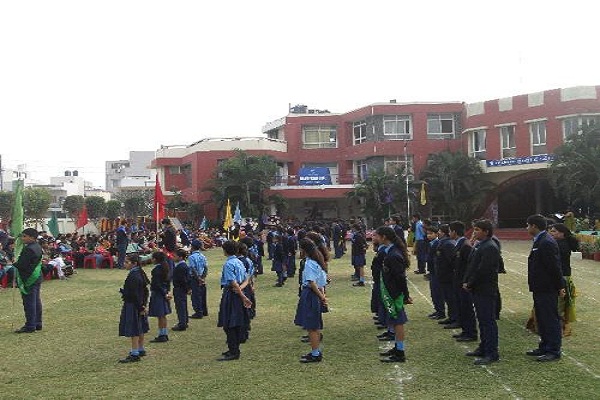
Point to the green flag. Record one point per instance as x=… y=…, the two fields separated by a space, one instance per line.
x=53 y=225
x=16 y=223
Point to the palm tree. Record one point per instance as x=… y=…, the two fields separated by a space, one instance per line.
x=455 y=184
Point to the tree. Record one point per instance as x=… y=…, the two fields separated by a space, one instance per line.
x=73 y=205
x=243 y=178
x=113 y=209
x=455 y=184
x=379 y=193
x=96 y=206
x=136 y=202
x=575 y=171
x=195 y=212
x=35 y=204
x=6 y=203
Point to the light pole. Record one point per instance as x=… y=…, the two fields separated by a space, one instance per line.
x=406 y=171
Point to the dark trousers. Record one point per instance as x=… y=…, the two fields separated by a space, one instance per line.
x=466 y=313
x=421 y=255
x=437 y=297
x=545 y=306
x=180 y=299
x=32 y=305
x=451 y=300
x=338 y=248
x=199 y=298
x=234 y=336
x=291 y=265
x=259 y=266
x=270 y=250
x=485 y=306
x=121 y=258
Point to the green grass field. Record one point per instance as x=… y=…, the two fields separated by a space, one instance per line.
x=76 y=354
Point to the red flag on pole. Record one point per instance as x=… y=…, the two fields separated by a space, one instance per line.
x=82 y=219
x=159 y=202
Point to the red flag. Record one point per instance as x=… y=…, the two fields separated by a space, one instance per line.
x=82 y=219
x=159 y=202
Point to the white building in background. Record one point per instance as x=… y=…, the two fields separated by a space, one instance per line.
x=134 y=173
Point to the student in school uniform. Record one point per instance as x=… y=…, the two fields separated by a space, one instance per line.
x=358 y=252
x=278 y=260
x=160 y=296
x=394 y=289
x=134 y=320
x=290 y=247
x=312 y=300
x=181 y=288
x=233 y=315
x=198 y=270
x=248 y=285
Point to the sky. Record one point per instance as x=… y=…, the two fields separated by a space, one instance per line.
x=82 y=82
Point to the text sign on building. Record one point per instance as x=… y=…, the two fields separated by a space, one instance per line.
x=542 y=158
x=314 y=176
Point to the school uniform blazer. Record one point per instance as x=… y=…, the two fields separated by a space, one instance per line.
x=377 y=265
x=28 y=259
x=181 y=276
x=278 y=253
x=135 y=289
x=482 y=271
x=394 y=273
x=433 y=246
x=359 y=245
x=462 y=252
x=445 y=260
x=157 y=284
x=543 y=265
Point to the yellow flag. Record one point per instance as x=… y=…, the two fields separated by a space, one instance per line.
x=228 y=219
x=423 y=194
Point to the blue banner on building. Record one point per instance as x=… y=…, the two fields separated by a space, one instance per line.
x=542 y=158
x=314 y=176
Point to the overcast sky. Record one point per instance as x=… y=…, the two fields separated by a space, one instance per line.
x=83 y=81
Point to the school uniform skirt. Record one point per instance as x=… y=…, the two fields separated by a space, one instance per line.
x=131 y=322
x=401 y=319
x=250 y=295
x=232 y=312
x=359 y=260
x=309 y=314
x=159 y=305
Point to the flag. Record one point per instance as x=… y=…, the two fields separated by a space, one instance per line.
x=53 y=225
x=423 y=194
x=204 y=224
x=237 y=217
x=159 y=202
x=82 y=219
x=16 y=223
x=228 y=223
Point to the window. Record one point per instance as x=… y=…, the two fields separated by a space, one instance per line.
x=319 y=136
x=398 y=165
x=360 y=170
x=576 y=125
x=174 y=169
x=537 y=130
x=507 y=141
x=397 y=127
x=477 y=144
x=359 y=131
x=440 y=124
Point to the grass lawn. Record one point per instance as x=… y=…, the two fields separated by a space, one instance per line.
x=76 y=354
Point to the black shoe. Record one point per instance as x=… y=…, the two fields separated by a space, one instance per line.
x=38 y=328
x=229 y=357
x=419 y=272
x=384 y=335
x=354 y=278
x=427 y=277
x=548 y=357
x=160 y=339
x=309 y=358
x=445 y=321
x=535 y=352
x=129 y=359
x=454 y=325
x=25 y=329
x=388 y=353
x=142 y=353
x=375 y=318
x=359 y=283
x=439 y=317
x=486 y=360
x=433 y=314
x=179 y=328
x=466 y=339
x=197 y=316
x=387 y=338
x=475 y=353
x=397 y=356
x=457 y=335
x=278 y=284
x=379 y=326
x=226 y=353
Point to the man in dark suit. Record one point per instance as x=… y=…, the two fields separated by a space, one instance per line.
x=481 y=279
x=546 y=283
x=30 y=279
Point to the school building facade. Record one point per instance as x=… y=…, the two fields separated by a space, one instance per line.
x=321 y=155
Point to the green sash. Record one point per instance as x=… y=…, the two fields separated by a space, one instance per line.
x=26 y=286
x=392 y=306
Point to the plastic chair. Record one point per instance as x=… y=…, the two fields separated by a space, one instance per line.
x=90 y=262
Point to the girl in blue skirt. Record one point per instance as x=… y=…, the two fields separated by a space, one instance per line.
x=134 y=321
x=160 y=296
x=312 y=299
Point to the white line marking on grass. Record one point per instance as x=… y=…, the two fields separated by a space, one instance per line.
x=399 y=377
x=419 y=291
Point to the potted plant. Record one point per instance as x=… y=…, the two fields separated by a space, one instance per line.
x=587 y=250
